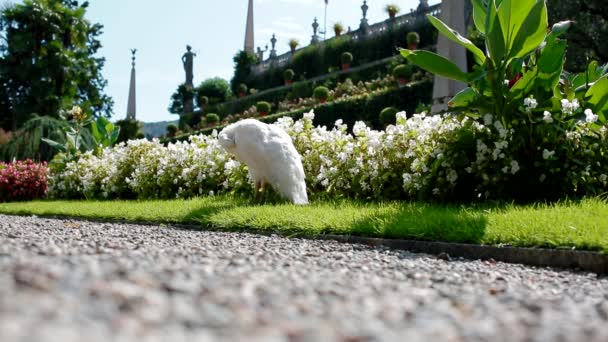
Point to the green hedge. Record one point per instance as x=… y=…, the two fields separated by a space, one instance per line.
x=365 y=108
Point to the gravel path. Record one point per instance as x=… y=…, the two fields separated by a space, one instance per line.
x=67 y=280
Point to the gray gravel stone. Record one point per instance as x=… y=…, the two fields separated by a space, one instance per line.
x=69 y=280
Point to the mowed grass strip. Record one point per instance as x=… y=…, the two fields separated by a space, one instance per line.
x=569 y=224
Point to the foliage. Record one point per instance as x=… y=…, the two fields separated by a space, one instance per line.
x=315 y=60
x=182 y=95
x=520 y=84
x=404 y=71
x=212 y=118
x=338 y=28
x=388 y=116
x=363 y=103
x=439 y=157
x=321 y=93
x=22 y=180
x=346 y=58
x=129 y=129
x=413 y=38
x=524 y=61
x=288 y=74
x=202 y=101
x=48 y=61
x=392 y=9
x=263 y=107
x=27 y=141
x=293 y=43
x=171 y=130
x=242 y=89
x=216 y=89
x=243 y=60
x=586 y=37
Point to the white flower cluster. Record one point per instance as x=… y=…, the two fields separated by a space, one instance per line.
x=424 y=154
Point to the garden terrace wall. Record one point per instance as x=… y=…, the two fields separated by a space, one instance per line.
x=365 y=108
x=317 y=59
x=300 y=89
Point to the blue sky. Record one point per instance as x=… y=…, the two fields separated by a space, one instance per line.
x=160 y=30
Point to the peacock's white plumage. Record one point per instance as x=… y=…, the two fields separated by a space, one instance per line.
x=270 y=155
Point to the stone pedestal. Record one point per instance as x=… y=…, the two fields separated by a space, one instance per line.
x=453 y=14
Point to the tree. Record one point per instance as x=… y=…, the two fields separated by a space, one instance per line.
x=586 y=38
x=48 y=63
x=216 y=89
x=243 y=61
x=181 y=95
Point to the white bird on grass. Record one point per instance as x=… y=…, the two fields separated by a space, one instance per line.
x=270 y=155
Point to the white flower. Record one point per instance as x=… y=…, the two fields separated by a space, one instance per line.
x=310 y=115
x=488 y=119
x=514 y=167
x=590 y=117
x=547 y=117
x=530 y=103
x=548 y=154
x=569 y=107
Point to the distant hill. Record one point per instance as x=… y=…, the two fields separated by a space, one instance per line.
x=156 y=129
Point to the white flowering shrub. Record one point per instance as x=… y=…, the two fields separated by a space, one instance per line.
x=423 y=157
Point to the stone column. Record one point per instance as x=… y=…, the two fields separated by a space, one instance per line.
x=453 y=14
x=131 y=110
x=249 y=30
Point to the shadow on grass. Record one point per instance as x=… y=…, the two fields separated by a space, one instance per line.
x=425 y=222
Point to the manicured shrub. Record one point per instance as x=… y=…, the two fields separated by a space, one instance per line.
x=403 y=71
x=263 y=108
x=388 y=116
x=171 y=130
x=212 y=118
x=321 y=94
x=392 y=10
x=346 y=58
x=242 y=89
x=288 y=75
x=413 y=38
x=293 y=44
x=22 y=180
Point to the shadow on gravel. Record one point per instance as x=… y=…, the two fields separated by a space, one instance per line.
x=422 y=222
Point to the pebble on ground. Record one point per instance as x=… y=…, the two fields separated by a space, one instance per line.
x=71 y=280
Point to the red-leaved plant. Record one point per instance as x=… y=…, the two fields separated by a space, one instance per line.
x=22 y=180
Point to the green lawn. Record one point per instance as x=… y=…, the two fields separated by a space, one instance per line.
x=582 y=225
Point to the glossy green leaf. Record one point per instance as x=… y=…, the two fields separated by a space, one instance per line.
x=495 y=41
x=463 y=99
x=480 y=9
x=532 y=31
x=512 y=14
x=453 y=35
x=551 y=62
x=54 y=144
x=598 y=98
x=435 y=64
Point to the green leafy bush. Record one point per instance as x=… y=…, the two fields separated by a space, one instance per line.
x=263 y=107
x=413 y=38
x=346 y=58
x=388 y=116
x=212 y=118
x=216 y=89
x=321 y=93
x=288 y=74
x=403 y=71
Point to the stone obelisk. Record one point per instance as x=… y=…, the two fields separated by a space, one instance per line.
x=453 y=14
x=131 y=110
x=249 y=30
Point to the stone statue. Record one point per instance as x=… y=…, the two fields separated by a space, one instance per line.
x=187 y=60
x=260 y=53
